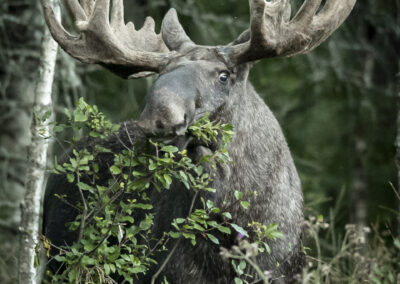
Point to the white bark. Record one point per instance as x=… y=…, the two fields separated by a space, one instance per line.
x=37 y=157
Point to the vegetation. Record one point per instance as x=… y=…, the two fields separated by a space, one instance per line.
x=112 y=241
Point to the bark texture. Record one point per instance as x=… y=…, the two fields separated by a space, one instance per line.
x=22 y=33
x=37 y=158
x=19 y=44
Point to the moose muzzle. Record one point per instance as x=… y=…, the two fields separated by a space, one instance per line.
x=170 y=105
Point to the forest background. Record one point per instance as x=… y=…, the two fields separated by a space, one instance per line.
x=338 y=105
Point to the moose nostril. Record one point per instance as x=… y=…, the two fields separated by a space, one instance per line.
x=185 y=118
x=159 y=124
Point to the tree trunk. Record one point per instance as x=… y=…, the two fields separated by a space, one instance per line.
x=19 y=57
x=37 y=158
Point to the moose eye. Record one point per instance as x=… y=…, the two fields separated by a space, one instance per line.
x=223 y=77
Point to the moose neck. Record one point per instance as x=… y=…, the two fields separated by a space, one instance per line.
x=258 y=133
x=262 y=163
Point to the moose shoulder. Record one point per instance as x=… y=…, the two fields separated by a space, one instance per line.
x=195 y=80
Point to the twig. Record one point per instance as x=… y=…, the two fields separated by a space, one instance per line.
x=241 y=256
x=154 y=277
x=127 y=133
x=85 y=209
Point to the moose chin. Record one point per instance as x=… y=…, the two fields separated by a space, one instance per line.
x=194 y=80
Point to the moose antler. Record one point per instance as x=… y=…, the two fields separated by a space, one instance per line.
x=110 y=42
x=273 y=34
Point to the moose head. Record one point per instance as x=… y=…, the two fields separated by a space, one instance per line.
x=207 y=74
x=194 y=80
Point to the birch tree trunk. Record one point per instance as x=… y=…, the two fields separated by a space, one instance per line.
x=19 y=57
x=37 y=159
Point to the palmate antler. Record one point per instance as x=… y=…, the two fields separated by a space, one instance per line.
x=109 y=41
x=273 y=33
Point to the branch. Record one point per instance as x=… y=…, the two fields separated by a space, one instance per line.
x=153 y=279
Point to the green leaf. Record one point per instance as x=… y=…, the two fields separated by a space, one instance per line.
x=88 y=260
x=145 y=225
x=227 y=215
x=67 y=113
x=70 y=178
x=245 y=204
x=152 y=165
x=72 y=275
x=210 y=189
x=397 y=243
x=115 y=170
x=107 y=269
x=199 y=170
x=180 y=220
x=238 y=281
x=84 y=186
x=189 y=236
x=169 y=149
x=143 y=206
x=267 y=248
x=213 y=239
x=138 y=174
x=242 y=266
x=213 y=224
x=240 y=230
x=198 y=227
x=272 y=232
x=58 y=128
x=60 y=258
x=138 y=269
x=174 y=235
x=128 y=219
x=79 y=116
x=102 y=149
x=224 y=229
x=238 y=195
x=215 y=210
x=183 y=176
x=168 y=180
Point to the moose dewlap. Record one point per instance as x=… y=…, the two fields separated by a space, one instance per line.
x=195 y=80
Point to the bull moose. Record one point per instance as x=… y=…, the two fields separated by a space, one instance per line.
x=194 y=80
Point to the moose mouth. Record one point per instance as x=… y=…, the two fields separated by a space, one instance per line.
x=195 y=147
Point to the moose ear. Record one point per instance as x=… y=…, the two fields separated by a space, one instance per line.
x=173 y=34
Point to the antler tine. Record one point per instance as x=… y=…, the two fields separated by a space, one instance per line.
x=272 y=34
x=117 y=14
x=307 y=11
x=261 y=13
x=63 y=37
x=327 y=18
x=100 y=16
x=77 y=11
x=87 y=6
x=109 y=42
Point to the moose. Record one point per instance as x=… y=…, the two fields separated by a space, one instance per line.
x=194 y=80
